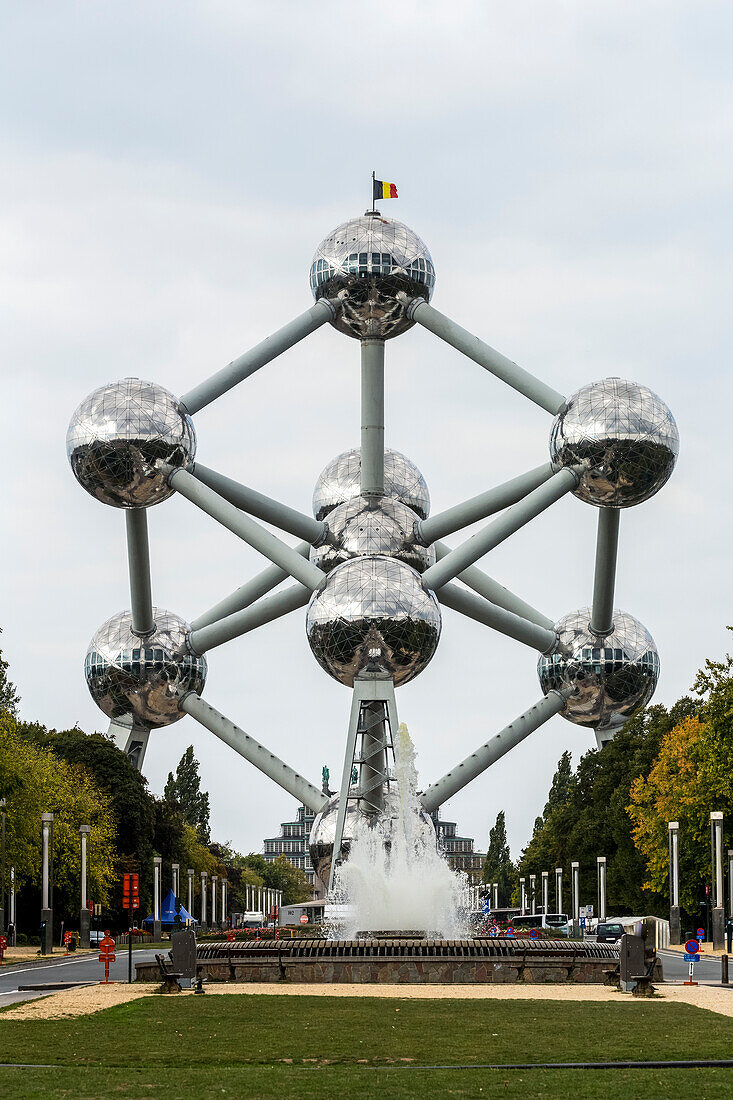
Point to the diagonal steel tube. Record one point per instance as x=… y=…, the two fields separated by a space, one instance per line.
x=604 y=581
x=487 y=357
x=263 y=507
x=248 y=593
x=500 y=529
x=253 y=751
x=234 y=626
x=483 y=505
x=475 y=607
x=138 y=560
x=247 y=529
x=262 y=353
x=493 y=750
x=491 y=590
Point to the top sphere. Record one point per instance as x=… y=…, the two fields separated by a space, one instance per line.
x=340 y=481
x=122 y=435
x=367 y=261
x=624 y=435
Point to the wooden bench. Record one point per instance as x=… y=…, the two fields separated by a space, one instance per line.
x=171 y=981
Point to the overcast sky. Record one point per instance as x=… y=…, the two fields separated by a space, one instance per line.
x=167 y=172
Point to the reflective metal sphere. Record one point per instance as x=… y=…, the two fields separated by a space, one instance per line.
x=373 y=612
x=612 y=676
x=340 y=481
x=368 y=261
x=372 y=525
x=623 y=434
x=142 y=676
x=120 y=437
x=323 y=830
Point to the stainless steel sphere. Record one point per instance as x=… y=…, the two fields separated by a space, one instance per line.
x=366 y=262
x=624 y=435
x=611 y=676
x=120 y=437
x=127 y=674
x=373 y=612
x=340 y=481
x=372 y=525
x=323 y=830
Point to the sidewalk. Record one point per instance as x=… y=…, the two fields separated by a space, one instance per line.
x=705 y=949
x=28 y=956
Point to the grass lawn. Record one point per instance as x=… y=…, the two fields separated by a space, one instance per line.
x=252 y=1046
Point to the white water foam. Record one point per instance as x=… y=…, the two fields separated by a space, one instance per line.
x=405 y=883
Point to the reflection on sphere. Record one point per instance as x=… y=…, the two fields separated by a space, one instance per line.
x=372 y=525
x=340 y=481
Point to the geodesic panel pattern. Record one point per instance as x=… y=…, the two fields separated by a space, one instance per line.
x=372 y=525
x=612 y=676
x=340 y=481
x=623 y=434
x=122 y=435
x=373 y=612
x=366 y=262
x=127 y=674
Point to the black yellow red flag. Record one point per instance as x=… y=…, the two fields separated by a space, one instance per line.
x=383 y=190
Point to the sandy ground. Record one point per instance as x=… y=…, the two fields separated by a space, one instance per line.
x=23 y=954
x=83 y=1001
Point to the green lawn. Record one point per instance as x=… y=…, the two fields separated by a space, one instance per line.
x=323 y=1047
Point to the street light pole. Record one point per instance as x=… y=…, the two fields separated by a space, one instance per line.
x=716 y=856
x=85 y=917
x=675 y=929
x=2 y=888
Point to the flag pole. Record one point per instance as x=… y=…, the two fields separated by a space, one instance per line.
x=374 y=201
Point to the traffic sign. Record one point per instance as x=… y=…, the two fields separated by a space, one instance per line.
x=701 y=934
x=486 y=906
x=692 y=947
x=691 y=958
x=582 y=922
x=510 y=930
x=303 y=918
x=533 y=933
x=493 y=931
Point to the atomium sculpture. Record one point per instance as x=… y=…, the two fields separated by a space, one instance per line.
x=370 y=565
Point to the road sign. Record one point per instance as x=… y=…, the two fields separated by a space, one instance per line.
x=583 y=912
x=303 y=918
x=510 y=930
x=486 y=906
x=493 y=931
x=589 y=910
x=533 y=933
x=689 y=958
x=691 y=947
x=107 y=953
x=701 y=934
x=582 y=922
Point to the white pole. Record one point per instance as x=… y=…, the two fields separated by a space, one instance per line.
x=601 y=861
x=533 y=893
x=214 y=880
x=575 y=870
x=545 y=892
x=203 y=897
x=522 y=896
x=157 y=861
x=12 y=896
x=84 y=831
x=558 y=889
x=46 y=820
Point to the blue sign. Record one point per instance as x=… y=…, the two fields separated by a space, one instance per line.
x=700 y=935
x=533 y=933
x=486 y=907
x=691 y=958
x=582 y=922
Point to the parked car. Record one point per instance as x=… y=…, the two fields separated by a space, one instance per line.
x=609 y=932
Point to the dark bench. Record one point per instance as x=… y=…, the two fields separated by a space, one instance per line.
x=171 y=981
x=644 y=987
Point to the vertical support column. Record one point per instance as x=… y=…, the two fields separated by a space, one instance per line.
x=138 y=559
x=533 y=894
x=716 y=854
x=157 y=869
x=373 y=757
x=46 y=886
x=575 y=895
x=85 y=916
x=202 y=924
x=189 y=907
x=224 y=902
x=11 y=909
x=601 y=862
x=558 y=889
x=214 y=880
x=675 y=928
x=495 y=890
x=522 y=896
x=372 y=416
x=545 y=892
x=175 y=868
x=604 y=581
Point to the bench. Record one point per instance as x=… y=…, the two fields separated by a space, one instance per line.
x=171 y=982
x=644 y=987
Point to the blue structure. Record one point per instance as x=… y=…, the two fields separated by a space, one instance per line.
x=168 y=913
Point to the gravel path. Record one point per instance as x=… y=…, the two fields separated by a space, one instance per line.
x=80 y=1002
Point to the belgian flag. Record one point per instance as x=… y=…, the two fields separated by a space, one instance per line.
x=382 y=190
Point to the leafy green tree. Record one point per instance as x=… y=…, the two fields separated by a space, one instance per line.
x=561 y=788
x=498 y=866
x=185 y=791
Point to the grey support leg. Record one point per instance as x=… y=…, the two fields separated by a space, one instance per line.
x=483 y=505
x=257 y=504
x=493 y=361
x=491 y=590
x=138 y=558
x=234 y=626
x=248 y=593
x=511 y=736
x=264 y=352
x=604 y=581
x=500 y=529
x=372 y=416
x=253 y=751
x=475 y=607
x=131 y=738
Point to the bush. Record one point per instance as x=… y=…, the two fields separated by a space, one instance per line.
x=21 y=939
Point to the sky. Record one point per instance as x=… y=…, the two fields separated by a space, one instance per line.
x=167 y=171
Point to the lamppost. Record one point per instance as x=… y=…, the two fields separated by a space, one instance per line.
x=11 y=906
x=190 y=873
x=545 y=892
x=47 y=884
x=575 y=895
x=85 y=917
x=495 y=890
x=203 y=901
x=533 y=893
x=175 y=868
x=601 y=861
x=2 y=859
x=224 y=902
x=558 y=889
x=675 y=929
x=522 y=896
x=716 y=860
x=157 y=867
x=214 y=880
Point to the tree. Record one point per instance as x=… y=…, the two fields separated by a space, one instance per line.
x=8 y=695
x=561 y=788
x=185 y=791
x=498 y=866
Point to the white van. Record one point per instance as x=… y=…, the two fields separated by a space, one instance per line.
x=550 y=922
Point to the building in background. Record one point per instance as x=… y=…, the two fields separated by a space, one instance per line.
x=293 y=844
x=458 y=850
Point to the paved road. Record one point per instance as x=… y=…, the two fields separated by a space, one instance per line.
x=83 y=968
x=677 y=970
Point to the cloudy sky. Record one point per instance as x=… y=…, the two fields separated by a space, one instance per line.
x=167 y=171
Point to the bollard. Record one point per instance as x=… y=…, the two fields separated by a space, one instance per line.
x=724 y=970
